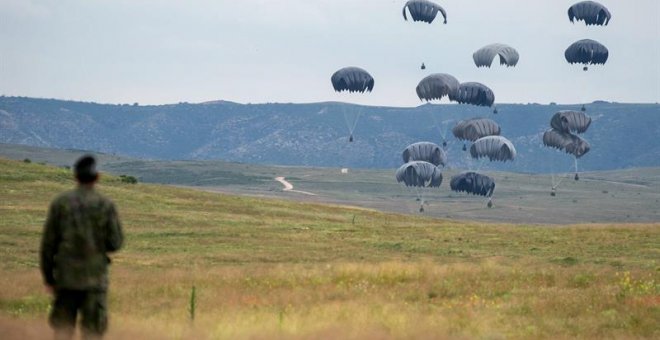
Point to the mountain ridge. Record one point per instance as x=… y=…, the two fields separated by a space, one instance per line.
x=316 y=134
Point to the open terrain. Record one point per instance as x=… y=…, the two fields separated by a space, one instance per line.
x=271 y=268
x=622 y=196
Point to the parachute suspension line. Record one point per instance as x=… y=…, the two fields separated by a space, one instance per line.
x=562 y=178
x=584 y=91
x=442 y=129
x=480 y=163
x=351 y=121
x=420 y=197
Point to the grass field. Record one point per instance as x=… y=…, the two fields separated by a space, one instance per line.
x=268 y=268
x=621 y=196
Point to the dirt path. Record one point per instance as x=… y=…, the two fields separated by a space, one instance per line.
x=289 y=187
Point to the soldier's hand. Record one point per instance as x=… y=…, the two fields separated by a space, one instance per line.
x=49 y=289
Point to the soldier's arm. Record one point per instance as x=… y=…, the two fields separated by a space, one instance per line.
x=49 y=243
x=115 y=235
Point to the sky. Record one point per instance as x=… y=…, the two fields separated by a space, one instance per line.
x=257 y=51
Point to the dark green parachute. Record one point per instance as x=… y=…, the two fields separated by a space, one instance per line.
x=570 y=121
x=586 y=52
x=496 y=148
x=484 y=56
x=474 y=93
x=591 y=12
x=475 y=128
x=352 y=79
x=436 y=86
x=473 y=183
x=425 y=151
x=567 y=142
x=419 y=174
x=423 y=10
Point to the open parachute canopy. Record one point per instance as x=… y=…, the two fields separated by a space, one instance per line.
x=591 y=12
x=473 y=183
x=423 y=10
x=570 y=121
x=572 y=144
x=475 y=93
x=496 y=148
x=425 y=151
x=419 y=174
x=586 y=51
x=436 y=86
x=475 y=128
x=352 y=79
x=484 y=56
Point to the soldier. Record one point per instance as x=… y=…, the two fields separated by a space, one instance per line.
x=82 y=227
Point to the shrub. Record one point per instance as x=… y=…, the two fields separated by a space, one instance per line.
x=128 y=179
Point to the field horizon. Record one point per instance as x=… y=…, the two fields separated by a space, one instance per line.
x=266 y=267
x=621 y=196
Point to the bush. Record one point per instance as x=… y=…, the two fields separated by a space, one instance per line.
x=128 y=179
x=27 y=160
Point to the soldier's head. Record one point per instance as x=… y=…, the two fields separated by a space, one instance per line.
x=85 y=170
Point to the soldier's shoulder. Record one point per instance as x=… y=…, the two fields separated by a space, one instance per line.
x=106 y=201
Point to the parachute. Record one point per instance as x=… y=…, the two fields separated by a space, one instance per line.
x=591 y=12
x=567 y=142
x=425 y=151
x=352 y=79
x=570 y=121
x=485 y=55
x=419 y=174
x=586 y=51
x=475 y=93
x=475 y=128
x=473 y=183
x=423 y=10
x=496 y=148
x=436 y=86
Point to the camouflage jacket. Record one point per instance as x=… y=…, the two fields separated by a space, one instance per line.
x=81 y=228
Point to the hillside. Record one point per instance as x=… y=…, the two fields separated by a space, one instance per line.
x=265 y=267
x=622 y=135
x=631 y=195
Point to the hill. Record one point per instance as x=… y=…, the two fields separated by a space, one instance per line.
x=622 y=135
x=631 y=195
x=266 y=267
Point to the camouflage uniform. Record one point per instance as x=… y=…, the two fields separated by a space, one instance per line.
x=82 y=227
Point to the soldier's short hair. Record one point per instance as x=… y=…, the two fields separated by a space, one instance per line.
x=85 y=169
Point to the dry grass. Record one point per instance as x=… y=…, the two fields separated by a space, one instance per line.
x=277 y=269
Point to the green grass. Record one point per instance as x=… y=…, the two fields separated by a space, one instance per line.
x=622 y=196
x=266 y=268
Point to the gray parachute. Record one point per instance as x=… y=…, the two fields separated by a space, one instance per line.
x=352 y=79
x=436 y=86
x=475 y=128
x=423 y=10
x=473 y=183
x=484 y=56
x=496 y=148
x=419 y=174
x=586 y=51
x=568 y=142
x=570 y=121
x=591 y=12
x=425 y=151
x=474 y=93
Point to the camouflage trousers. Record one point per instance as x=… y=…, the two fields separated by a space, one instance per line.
x=91 y=305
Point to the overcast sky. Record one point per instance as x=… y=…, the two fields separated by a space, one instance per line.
x=166 y=51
